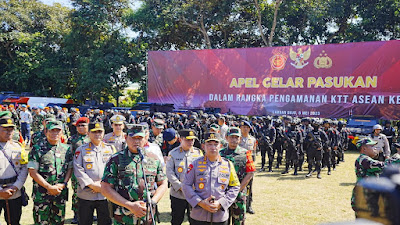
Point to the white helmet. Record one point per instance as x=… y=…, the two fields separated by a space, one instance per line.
x=377 y=126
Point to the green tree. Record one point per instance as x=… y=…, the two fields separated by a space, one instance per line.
x=32 y=58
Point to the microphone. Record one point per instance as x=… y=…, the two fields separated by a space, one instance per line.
x=140 y=151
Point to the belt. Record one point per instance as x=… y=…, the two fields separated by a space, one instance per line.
x=8 y=180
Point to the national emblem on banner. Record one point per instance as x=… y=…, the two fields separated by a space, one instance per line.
x=278 y=62
x=323 y=61
x=300 y=57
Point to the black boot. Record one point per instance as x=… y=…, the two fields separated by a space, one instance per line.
x=329 y=170
x=295 y=171
x=75 y=219
x=309 y=174
x=250 y=210
x=286 y=169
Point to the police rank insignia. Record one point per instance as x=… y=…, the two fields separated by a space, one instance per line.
x=323 y=61
x=201 y=185
x=299 y=57
x=180 y=169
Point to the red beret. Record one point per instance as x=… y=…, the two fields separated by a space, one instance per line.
x=82 y=120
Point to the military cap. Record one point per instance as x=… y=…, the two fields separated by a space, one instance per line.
x=214 y=126
x=41 y=107
x=6 y=121
x=188 y=134
x=169 y=134
x=83 y=120
x=34 y=108
x=211 y=137
x=145 y=125
x=23 y=106
x=49 y=116
x=117 y=119
x=136 y=130
x=245 y=123
x=96 y=126
x=158 y=123
x=365 y=141
x=54 y=124
x=234 y=131
x=5 y=114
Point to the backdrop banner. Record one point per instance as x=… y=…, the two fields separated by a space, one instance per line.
x=333 y=80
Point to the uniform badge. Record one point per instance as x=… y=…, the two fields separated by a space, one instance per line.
x=97 y=125
x=89 y=166
x=190 y=168
x=9 y=121
x=201 y=186
x=223 y=187
x=77 y=154
x=180 y=169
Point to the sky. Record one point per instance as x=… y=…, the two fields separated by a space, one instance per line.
x=62 y=2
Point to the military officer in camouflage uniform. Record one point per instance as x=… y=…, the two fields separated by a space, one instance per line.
x=210 y=185
x=50 y=166
x=37 y=120
x=243 y=162
x=89 y=162
x=117 y=137
x=395 y=159
x=77 y=140
x=157 y=128
x=177 y=164
x=248 y=142
x=41 y=135
x=366 y=166
x=123 y=180
x=13 y=170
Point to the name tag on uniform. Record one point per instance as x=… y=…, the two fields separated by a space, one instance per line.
x=88 y=158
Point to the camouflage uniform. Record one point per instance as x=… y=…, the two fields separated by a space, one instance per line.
x=76 y=141
x=52 y=163
x=394 y=160
x=38 y=137
x=37 y=123
x=243 y=162
x=365 y=166
x=124 y=172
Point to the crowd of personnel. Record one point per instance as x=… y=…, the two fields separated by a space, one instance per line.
x=121 y=165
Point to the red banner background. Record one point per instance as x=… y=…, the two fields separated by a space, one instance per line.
x=256 y=81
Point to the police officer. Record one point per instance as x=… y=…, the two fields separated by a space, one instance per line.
x=243 y=162
x=389 y=131
x=171 y=141
x=210 y=185
x=267 y=140
x=50 y=166
x=366 y=166
x=382 y=142
x=13 y=171
x=117 y=137
x=178 y=162
x=125 y=177
x=89 y=163
x=316 y=141
x=77 y=140
x=248 y=142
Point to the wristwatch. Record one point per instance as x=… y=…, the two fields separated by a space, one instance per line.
x=153 y=203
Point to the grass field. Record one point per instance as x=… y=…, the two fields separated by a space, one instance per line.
x=278 y=199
